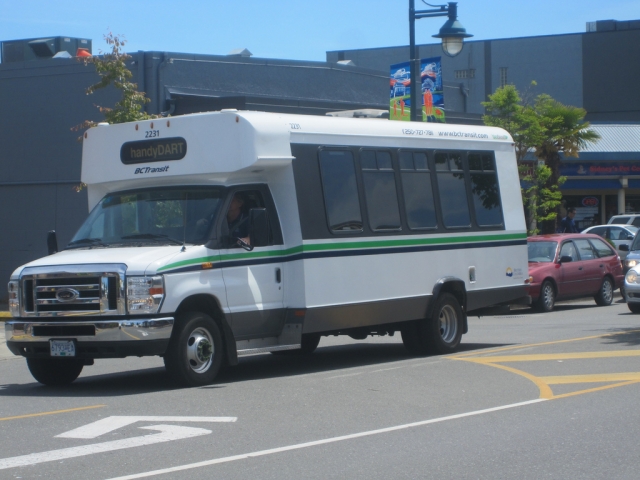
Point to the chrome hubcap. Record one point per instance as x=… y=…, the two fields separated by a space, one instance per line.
x=200 y=350
x=548 y=296
x=607 y=291
x=448 y=324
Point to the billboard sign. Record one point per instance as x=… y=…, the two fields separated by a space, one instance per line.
x=430 y=92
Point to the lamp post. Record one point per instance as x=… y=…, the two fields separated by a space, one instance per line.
x=452 y=34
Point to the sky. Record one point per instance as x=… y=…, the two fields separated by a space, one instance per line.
x=291 y=29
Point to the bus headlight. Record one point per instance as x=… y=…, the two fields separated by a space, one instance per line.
x=14 y=298
x=144 y=294
x=632 y=276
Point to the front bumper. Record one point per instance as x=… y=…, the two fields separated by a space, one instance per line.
x=632 y=292
x=94 y=339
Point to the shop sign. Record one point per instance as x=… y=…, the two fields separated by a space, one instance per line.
x=591 y=169
x=590 y=202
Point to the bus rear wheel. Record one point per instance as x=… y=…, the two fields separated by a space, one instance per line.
x=438 y=334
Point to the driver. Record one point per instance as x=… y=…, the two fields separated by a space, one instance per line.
x=237 y=219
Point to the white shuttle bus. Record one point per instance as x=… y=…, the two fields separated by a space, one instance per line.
x=223 y=234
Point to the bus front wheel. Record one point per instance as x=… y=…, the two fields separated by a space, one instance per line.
x=195 y=353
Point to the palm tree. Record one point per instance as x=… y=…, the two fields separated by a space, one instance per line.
x=566 y=133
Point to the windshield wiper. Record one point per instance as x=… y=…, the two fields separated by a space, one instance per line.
x=84 y=241
x=151 y=236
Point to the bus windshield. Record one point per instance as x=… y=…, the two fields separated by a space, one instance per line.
x=168 y=216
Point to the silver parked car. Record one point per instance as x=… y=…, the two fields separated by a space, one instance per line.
x=616 y=235
x=632 y=289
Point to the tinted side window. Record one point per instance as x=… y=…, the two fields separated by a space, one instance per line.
x=584 y=247
x=417 y=190
x=380 y=190
x=636 y=221
x=452 y=190
x=599 y=231
x=620 y=220
x=484 y=187
x=601 y=248
x=340 y=191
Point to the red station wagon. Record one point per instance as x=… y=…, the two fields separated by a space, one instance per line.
x=563 y=266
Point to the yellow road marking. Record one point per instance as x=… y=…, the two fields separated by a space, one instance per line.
x=591 y=390
x=545 y=390
x=543 y=383
x=55 y=412
x=555 y=342
x=597 y=378
x=555 y=356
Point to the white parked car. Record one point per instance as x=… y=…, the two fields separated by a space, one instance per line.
x=625 y=219
x=616 y=235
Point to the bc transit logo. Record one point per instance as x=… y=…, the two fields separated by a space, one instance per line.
x=509 y=272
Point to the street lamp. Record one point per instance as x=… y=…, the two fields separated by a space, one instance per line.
x=452 y=34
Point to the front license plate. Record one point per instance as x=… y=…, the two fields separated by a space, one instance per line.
x=62 y=348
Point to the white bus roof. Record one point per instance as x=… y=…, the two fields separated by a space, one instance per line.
x=216 y=146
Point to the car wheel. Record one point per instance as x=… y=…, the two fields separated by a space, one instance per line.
x=547 y=299
x=195 y=353
x=634 y=307
x=605 y=294
x=54 y=371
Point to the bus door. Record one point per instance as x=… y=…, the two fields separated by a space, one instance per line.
x=253 y=279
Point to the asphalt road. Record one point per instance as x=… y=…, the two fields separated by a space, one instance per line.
x=528 y=396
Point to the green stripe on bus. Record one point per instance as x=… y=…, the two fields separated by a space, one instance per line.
x=343 y=246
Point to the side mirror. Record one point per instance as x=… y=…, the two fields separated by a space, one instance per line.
x=624 y=247
x=52 y=242
x=259 y=227
x=566 y=259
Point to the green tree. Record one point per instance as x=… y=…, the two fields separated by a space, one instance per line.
x=540 y=196
x=547 y=129
x=507 y=109
x=566 y=132
x=113 y=71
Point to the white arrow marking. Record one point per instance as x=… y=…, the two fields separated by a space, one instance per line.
x=110 y=424
x=167 y=434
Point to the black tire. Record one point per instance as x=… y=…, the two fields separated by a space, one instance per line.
x=623 y=294
x=439 y=334
x=308 y=345
x=196 y=351
x=634 y=307
x=443 y=331
x=410 y=334
x=547 y=299
x=55 y=371
x=604 y=296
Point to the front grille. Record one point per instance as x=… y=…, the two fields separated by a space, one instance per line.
x=86 y=290
x=75 y=291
